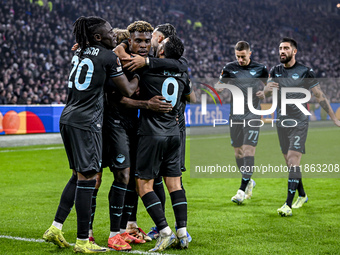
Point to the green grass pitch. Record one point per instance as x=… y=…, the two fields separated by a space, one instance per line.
x=32 y=179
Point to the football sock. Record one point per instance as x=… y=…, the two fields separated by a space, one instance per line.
x=67 y=200
x=182 y=185
x=116 y=203
x=247 y=172
x=180 y=207
x=93 y=206
x=293 y=183
x=239 y=162
x=155 y=210
x=131 y=197
x=83 y=202
x=300 y=189
x=159 y=190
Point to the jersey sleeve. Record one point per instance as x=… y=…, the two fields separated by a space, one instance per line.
x=187 y=87
x=180 y=65
x=225 y=75
x=311 y=79
x=114 y=67
x=271 y=75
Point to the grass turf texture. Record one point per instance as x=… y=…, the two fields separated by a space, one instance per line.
x=32 y=179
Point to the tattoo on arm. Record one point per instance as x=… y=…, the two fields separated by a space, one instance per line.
x=324 y=105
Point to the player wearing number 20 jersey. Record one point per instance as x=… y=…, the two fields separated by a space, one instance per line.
x=90 y=70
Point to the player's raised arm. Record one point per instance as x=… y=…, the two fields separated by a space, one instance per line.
x=127 y=88
x=324 y=103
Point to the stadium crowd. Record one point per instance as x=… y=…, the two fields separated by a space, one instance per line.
x=36 y=37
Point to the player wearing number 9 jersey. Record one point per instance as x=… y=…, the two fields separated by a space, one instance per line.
x=81 y=124
x=158 y=146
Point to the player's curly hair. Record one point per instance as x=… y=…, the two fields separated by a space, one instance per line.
x=140 y=26
x=122 y=34
x=84 y=28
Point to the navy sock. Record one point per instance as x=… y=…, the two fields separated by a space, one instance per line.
x=293 y=183
x=155 y=210
x=247 y=172
x=239 y=162
x=131 y=197
x=116 y=202
x=93 y=207
x=180 y=207
x=83 y=202
x=66 y=200
x=159 y=190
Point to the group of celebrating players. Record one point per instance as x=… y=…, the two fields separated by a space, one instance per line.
x=130 y=118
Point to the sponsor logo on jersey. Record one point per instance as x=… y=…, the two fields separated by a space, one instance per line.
x=119 y=69
x=252 y=72
x=295 y=76
x=120 y=158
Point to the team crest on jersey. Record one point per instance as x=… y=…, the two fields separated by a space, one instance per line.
x=278 y=75
x=252 y=72
x=120 y=158
x=295 y=76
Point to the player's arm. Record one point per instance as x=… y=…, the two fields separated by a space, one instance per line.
x=121 y=53
x=127 y=88
x=324 y=103
x=189 y=93
x=137 y=61
x=268 y=89
x=157 y=104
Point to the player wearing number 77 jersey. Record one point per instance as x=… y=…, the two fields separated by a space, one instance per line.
x=244 y=73
x=81 y=124
x=292 y=126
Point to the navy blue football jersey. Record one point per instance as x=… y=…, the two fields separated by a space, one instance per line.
x=243 y=77
x=90 y=70
x=298 y=76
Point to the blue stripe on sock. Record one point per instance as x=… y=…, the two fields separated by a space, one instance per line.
x=118 y=187
x=153 y=205
x=181 y=203
x=79 y=187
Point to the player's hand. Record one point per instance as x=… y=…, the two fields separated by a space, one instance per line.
x=337 y=122
x=272 y=85
x=134 y=63
x=219 y=90
x=75 y=47
x=260 y=94
x=158 y=104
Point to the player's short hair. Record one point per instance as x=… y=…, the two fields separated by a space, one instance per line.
x=166 y=29
x=242 y=45
x=292 y=42
x=122 y=34
x=140 y=26
x=85 y=27
x=174 y=47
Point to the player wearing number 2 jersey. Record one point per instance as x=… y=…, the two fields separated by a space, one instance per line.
x=159 y=140
x=292 y=126
x=81 y=124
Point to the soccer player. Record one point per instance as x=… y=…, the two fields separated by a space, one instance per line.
x=81 y=123
x=245 y=73
x=292 y=127
x=159 y=139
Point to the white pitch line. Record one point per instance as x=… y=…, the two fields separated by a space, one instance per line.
x=35 y=149
x=72 y=244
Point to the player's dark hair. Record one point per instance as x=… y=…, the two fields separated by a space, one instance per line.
x=242 y=45
x=84 y=28
x=292 y=42
x=140 y=26
x=173 y=48
x=166 y=29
